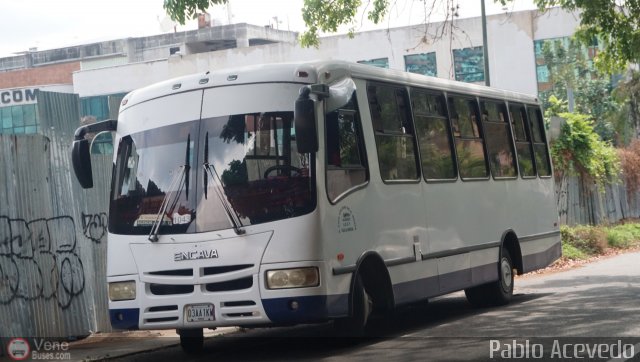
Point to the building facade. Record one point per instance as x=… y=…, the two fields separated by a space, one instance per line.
x=102 y=73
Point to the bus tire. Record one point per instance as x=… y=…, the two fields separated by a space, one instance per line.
x=191 y=340
x=495 y=293
x=355 y=324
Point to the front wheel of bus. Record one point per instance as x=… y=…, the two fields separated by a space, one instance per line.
x=191 y=340
x=498 y=292
x=362 y=305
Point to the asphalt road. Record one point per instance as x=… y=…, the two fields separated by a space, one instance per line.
x=560 y=316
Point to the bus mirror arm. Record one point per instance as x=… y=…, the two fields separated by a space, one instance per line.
x=305 y=118
x=81 y=150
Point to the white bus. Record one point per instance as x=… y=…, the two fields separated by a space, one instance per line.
x=301 y=193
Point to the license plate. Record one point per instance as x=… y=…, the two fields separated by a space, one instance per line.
x=199 y=313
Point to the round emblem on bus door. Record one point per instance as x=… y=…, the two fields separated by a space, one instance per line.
x=346 y=220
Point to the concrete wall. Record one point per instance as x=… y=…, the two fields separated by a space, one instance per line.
x=50 y=74
x=119 y=79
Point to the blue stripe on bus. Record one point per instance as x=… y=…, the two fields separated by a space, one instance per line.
x=309 y=308
x=124 y=318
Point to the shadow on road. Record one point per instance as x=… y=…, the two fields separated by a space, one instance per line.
x=312 y=342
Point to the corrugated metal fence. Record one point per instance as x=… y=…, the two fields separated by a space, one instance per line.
x=580 y=202
x=53 y=233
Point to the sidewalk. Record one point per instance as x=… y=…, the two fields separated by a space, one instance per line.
x=106 y=346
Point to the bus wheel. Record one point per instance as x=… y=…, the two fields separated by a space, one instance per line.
x=498 y=292
x=191 y=340
x=354 y=325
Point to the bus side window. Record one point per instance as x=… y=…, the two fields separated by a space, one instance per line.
x=472 y=163
x=539 y=142
x=434 y=135
x=389 y=107
x=524 y=146
x=346 y=161
x=498 y=139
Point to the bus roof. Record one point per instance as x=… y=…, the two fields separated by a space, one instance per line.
x=326 y=71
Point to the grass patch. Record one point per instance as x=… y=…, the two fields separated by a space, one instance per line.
x=582 y=242
x=571 y=252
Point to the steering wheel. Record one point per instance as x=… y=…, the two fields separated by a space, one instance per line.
x=282 y=167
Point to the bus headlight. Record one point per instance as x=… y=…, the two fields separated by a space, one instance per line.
x=293 y=278
x=122 y=290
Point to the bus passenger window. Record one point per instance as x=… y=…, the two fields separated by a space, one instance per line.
x=524 y=149
x=395 y=142
x=434 y=135
x=539 y=142
x=498 y=139
x=472 y=163
x=346 y=161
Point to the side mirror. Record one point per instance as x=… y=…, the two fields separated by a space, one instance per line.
x=305 y=122
x=81 y=159
x=80 y=152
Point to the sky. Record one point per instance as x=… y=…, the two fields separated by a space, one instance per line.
x=48 y=24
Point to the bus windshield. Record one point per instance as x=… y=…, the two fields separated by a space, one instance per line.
x=214 y=174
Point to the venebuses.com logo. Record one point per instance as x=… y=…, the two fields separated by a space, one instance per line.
x=18 y=349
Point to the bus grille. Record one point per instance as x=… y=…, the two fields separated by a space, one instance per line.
x=237 y=284
x=169 y=289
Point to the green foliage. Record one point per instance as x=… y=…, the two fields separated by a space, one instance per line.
x=591 y=240
x=327 y=16
x=580 y=151
x=180 y=10
x=620 y=239
x=570 y=72
x=632 y=228
x=555 y=106
x=617 y=26
x=627 y=120
x=583 y=242
x=573 y=253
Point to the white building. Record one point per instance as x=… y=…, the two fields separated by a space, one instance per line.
x=102 y=73
x=511 y=49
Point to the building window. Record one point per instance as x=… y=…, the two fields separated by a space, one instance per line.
x=379 y=62
x=469 y=64
x=434 y=135
x=498 y=137
x=19 y=119
x=424 y=64
x=472 y=163
x=346 y=158
x=98 y=106
x=390 y=116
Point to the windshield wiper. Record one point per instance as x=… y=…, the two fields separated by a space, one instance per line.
x=180 y=178
x=232 y=215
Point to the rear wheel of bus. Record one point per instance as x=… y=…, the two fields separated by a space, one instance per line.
x=498 y=292
x=191 y=340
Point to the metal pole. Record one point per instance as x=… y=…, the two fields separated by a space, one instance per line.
x=487 y=81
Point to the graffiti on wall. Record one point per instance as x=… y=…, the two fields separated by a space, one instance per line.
x=95 y=226
x=39 y=260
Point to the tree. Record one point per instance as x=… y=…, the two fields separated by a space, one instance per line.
x=615 y=22
x=627 y=121
x=319 y=15
x=570 y=72
x=180 y=10
x=579 y=151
